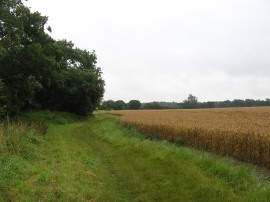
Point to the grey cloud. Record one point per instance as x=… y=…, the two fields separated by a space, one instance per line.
x=164 y=50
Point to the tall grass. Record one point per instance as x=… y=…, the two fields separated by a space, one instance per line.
x=21 y=139
x=15 y=136
x=18 y=140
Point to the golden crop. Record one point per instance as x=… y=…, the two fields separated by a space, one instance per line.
x=243 y=133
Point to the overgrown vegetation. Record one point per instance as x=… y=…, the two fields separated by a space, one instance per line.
x=18 y=141
x=37 y=71
x=17 y=134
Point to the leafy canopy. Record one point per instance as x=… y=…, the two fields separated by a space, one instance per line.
x=38 y=71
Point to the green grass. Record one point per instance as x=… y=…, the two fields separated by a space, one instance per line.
x=95 y=159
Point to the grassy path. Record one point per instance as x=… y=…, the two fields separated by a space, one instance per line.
x=97 y=160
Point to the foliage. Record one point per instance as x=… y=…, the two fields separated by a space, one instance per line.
x=47 y=117
x=120 y=105
x=33 y=64
x=191 y=102
x=151 y=105
x=115 y=105
x=72 y=90
x=21 y=60
x=134 y=104
x=107 y=105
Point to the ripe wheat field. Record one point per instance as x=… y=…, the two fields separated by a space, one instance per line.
x=242 y=133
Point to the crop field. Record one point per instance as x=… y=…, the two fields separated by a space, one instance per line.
x=242 y=133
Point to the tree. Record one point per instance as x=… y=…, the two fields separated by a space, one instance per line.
x=119 y=105
x=115 y=105
x=249 y=102
x=238 y=103
x=26 y=57
x=73 y=90
x=267 y=102
x=224 y=104
x=107 y=105
x=152 y=105
x=134 y=104
x=20 y=49
x=191 y=102
x=38 y=71
x=75 y=85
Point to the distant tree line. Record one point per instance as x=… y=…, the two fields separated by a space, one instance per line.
x=120 y=105
x=190 y=103
x=37 y=71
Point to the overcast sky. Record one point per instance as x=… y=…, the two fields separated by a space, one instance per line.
x=157 y=50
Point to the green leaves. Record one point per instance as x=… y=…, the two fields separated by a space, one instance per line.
x=39 y=71
x=73 y=90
